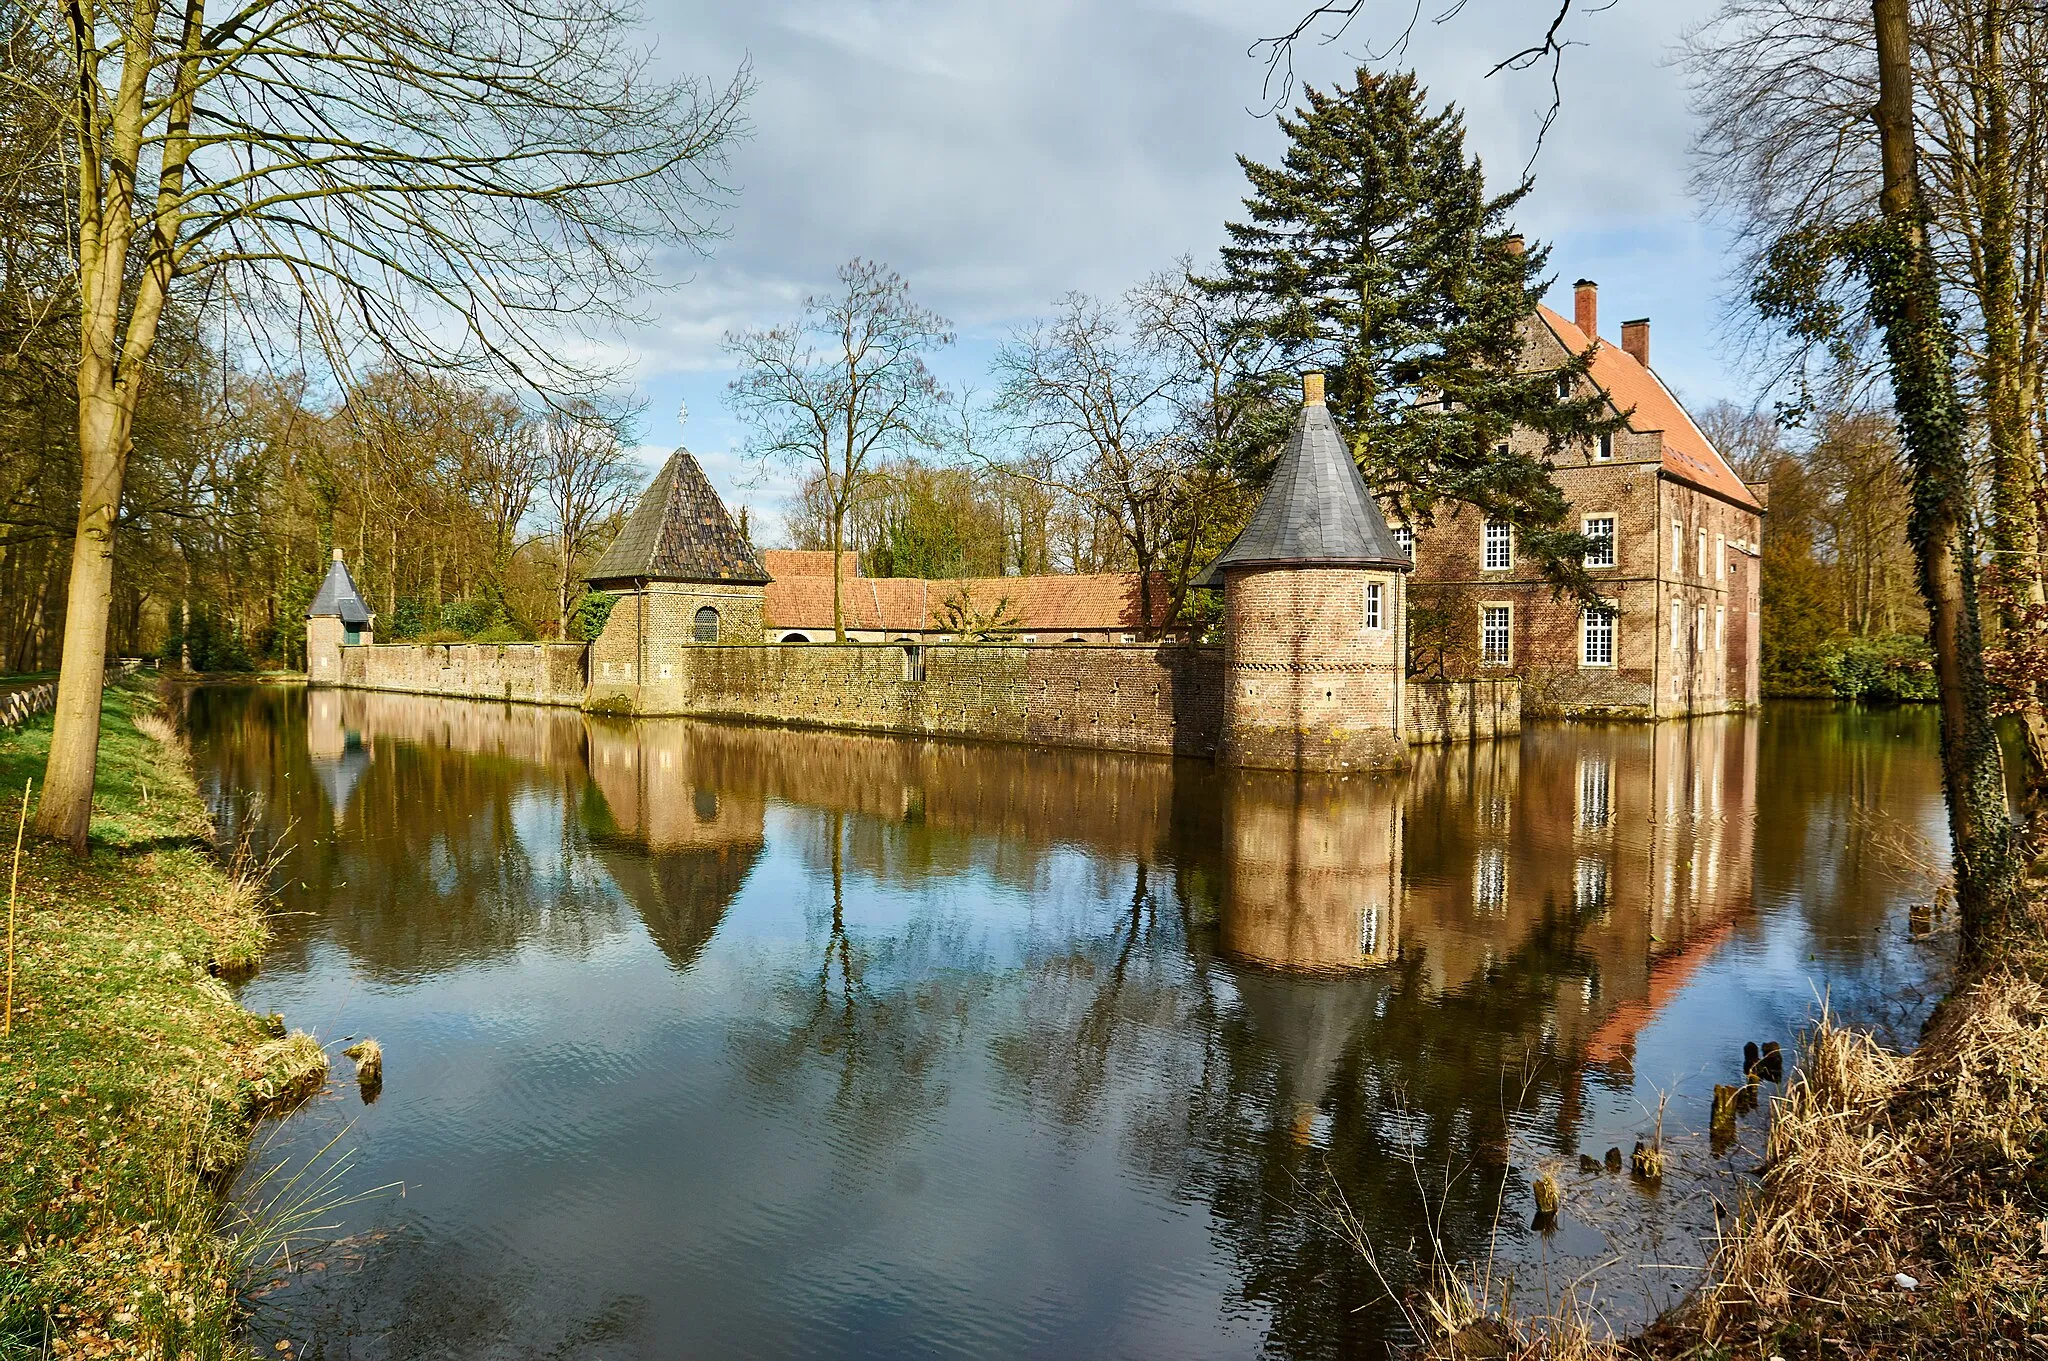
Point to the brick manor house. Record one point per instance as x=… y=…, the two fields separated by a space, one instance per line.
x=1680 y=538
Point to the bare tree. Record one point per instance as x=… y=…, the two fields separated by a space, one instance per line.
x=842 y=386
x=451 y=186
x=586 y=479
x=1091 y=396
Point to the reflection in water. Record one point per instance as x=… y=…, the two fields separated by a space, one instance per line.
x=726 y=1040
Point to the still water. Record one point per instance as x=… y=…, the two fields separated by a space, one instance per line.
x=721 y=1041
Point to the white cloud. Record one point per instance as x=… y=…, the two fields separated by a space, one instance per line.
x=999 y=154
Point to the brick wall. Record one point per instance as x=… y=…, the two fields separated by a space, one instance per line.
x=1166 y=699
x=1442 y=712
x=1308 y=685
x=534 y=673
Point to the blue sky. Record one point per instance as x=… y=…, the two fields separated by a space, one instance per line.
x=999 y=154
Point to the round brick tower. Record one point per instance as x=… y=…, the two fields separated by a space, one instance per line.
x=1314 y=615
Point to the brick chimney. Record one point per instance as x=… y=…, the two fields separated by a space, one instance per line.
x=1311 y=389
x=1586 y=307
x=1517 y=246
x=1635 y=340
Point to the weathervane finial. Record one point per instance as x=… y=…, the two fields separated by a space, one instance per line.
x=682 y=413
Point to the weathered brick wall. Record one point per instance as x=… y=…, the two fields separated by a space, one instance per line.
x=534 y=673
x=1166 y=699
x=1163 y=699
x=1307 y=684
x=1443 y=712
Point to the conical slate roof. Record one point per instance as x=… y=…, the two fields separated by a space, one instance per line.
x=680 y=531
x=338 y=598
x=1316 y=510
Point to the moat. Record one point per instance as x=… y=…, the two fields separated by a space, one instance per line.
x=712 y=1040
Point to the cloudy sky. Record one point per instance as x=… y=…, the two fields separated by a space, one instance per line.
x=999 y=153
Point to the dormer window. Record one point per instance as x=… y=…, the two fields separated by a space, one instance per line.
x=1404 y=538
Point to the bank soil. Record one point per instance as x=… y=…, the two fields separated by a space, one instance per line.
x=131 y=1079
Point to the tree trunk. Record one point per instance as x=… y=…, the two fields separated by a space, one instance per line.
x=1920 y=349
x=65 y=810
x=838 y=537
x=2015 y=576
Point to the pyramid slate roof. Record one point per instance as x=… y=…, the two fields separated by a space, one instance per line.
x=338 y=597
x=1316 y=510
x=679 y=531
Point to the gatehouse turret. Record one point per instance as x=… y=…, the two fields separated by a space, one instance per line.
x=1314 y=614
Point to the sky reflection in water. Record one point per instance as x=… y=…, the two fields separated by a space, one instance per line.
x=718 y=1041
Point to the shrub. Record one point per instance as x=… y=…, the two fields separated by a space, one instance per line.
x=1889 y=669
x=587 y=620
x=467 y=617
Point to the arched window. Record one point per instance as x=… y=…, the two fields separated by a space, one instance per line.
x=796 y=638
x=707 y=625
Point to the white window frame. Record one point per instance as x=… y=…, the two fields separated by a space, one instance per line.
x=1404 y=539
x=1608 y=611
x=1507 y=657
x=1486 y=545
x=1613 y=525
x=1703 y=555
x=1375 y=606
x=1699 y=627
x=1720 y=628
x=1677 y=547
x=1603 y=448
x=1677 y=627
x=1720 y=556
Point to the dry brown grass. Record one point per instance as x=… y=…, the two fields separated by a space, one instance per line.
x=1903 y=1211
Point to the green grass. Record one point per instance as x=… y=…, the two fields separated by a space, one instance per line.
x=131 y=1079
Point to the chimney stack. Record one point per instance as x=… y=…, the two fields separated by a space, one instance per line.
x=1586 y=307
x=1311 y=389
x=1635 y=340
x=1517 y=246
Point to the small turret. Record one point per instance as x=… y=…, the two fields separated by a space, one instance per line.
x=337 y=618
x=1314 y=614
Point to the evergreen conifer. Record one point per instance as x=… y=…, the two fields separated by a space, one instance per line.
x=1374 y=251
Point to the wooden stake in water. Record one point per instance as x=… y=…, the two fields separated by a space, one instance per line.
x=14 y=882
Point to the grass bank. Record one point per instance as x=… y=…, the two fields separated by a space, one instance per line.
x=131 y=1079
x=1902 y=1210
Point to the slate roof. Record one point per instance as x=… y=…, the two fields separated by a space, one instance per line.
x=679 y=531
x=1316 y=510
x=1042 y=605
x=1689 y=455
x=338 y=598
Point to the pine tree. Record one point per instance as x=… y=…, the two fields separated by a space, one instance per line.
x=1374 y=251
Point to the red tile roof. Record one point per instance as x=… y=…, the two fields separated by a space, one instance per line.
x=807 y=562
x=1688 y=455
x=1048 y=605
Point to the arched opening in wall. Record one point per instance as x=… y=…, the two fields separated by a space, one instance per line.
x=1077 y=638
x=706 y=625
x=795 y=638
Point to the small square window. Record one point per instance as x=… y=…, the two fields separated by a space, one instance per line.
x=1499 y=551
x=1600 y=529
